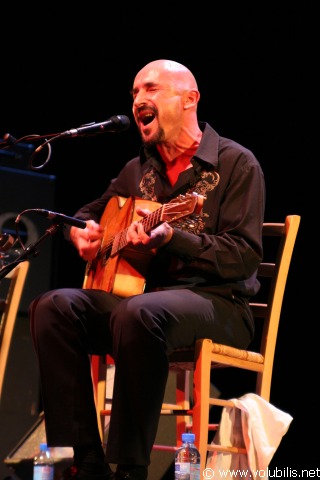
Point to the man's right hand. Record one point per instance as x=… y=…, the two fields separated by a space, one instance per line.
x=87 y=240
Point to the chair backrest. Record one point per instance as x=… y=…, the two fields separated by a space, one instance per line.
x=12 y=286
x=279 y=241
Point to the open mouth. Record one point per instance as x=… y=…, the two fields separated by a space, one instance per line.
x=146 y=118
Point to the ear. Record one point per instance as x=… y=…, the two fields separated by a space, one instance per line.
x=191 y=99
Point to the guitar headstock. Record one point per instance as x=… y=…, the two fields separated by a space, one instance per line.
x=182 y=206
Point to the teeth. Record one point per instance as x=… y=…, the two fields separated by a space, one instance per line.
x=147 y=118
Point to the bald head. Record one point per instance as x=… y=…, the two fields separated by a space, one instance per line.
x=179 y=75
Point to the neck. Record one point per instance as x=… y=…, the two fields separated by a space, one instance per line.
x=185 y=146
x=177 y=154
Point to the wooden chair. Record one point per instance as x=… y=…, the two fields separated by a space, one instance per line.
x=192 y=414
x=12 y=286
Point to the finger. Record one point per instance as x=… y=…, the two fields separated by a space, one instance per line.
x=142 y=211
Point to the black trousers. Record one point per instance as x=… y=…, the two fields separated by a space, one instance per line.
x=139 y=331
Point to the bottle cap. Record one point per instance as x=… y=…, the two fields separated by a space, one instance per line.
x=43 y=446
x=188 y=437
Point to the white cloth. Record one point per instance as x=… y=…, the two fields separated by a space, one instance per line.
x=254 y=424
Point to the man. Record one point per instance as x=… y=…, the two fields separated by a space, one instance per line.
x=199 y=275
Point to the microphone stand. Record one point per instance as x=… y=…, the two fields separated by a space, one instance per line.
x=31 y=250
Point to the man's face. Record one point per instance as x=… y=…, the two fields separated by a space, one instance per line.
x=157 y=105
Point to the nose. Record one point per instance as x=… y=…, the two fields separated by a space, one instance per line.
x=139 y=99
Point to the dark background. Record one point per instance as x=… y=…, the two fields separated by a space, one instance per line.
x=62 y=67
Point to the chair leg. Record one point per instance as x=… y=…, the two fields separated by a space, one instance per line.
x=201 y=397
x=183 y=401
x=99 y=366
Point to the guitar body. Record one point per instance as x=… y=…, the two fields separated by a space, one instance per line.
x=122 y=274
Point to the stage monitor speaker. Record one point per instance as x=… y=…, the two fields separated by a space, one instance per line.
x=15 y=155
x=21 y=190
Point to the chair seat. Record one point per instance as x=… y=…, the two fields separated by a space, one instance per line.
x=237 y=353
x=183 y=358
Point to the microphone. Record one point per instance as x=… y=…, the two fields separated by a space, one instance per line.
x=60 y=218
x=117 y=123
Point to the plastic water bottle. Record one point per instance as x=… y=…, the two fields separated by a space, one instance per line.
x=43 y=464
x=187 y=459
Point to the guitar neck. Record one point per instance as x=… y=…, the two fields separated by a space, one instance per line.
x=119 y=241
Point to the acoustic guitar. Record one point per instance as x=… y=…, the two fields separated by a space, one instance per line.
x=119 y=267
